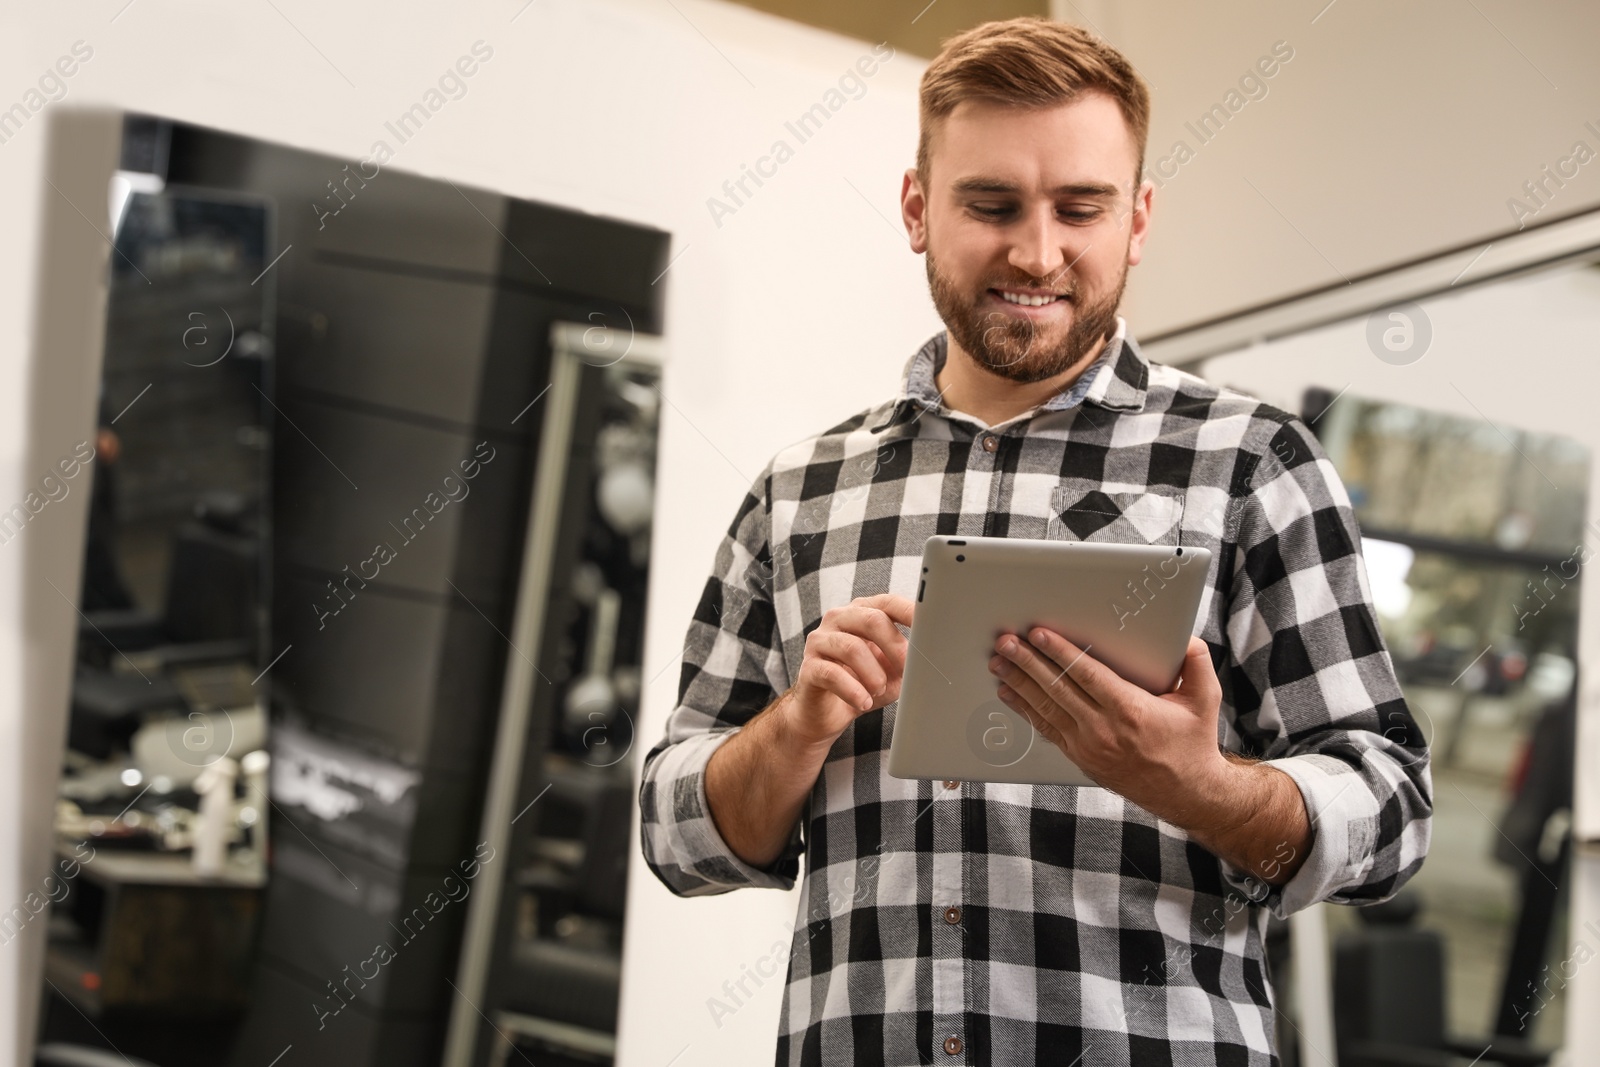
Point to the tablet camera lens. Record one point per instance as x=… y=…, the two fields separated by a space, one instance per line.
x=961 y=559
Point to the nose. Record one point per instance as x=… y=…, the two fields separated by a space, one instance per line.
x=1037 y=248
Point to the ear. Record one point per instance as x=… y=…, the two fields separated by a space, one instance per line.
x=914 y=211
x=1143 y=205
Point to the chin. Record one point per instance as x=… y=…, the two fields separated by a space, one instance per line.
x=1024 y=372
x=1022 y=354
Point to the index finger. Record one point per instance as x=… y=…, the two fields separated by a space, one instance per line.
x=897 y=607
x=1094 y=677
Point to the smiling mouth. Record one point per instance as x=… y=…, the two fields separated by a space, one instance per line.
x=1031 y=299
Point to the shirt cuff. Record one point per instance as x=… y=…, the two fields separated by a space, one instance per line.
x=1344 y=830
x=682 y=841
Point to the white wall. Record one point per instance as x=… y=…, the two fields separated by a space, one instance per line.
x=797 y=310
x=1397 y=130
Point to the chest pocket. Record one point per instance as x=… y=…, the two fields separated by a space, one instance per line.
x=1148 y=518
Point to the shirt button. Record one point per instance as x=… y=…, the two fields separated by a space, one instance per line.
x=951 y=783
x=952 y=915
x=952 y=1045
x=990 y=442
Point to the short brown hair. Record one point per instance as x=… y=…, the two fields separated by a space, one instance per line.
x=1029 y=61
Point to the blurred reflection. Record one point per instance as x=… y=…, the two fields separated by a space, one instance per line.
x=161 y=818
x=1475 y=543
x=557 y=972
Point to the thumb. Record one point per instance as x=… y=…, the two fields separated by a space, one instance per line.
x=1198 y=686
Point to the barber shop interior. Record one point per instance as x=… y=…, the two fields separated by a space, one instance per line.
x=432 y=436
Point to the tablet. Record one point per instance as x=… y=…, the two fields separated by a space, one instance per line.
x=1132 y=607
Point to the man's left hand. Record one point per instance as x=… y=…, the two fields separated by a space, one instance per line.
x=1159 y=751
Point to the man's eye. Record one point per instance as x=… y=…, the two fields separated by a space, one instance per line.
x=1001 y=212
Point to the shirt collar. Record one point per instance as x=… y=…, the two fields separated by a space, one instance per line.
x=1117 y=380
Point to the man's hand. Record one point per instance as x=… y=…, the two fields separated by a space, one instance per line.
x=1160 y=752
x=758 y=781
x=854 y=662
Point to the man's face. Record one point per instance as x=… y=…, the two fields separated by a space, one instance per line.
x=1022 y=202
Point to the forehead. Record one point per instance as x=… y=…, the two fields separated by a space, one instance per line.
x=1085 y=141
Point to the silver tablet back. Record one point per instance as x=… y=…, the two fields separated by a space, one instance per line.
x=1132 y=607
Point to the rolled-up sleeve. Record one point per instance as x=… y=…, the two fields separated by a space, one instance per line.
x=733 y=667
x=1313 y=687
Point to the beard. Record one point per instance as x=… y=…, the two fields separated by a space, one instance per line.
x=1015 y=346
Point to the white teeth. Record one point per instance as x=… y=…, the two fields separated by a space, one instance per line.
x=1026 y=301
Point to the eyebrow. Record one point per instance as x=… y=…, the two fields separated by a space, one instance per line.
x=996 y=185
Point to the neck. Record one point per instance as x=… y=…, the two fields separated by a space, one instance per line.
x=968 y=387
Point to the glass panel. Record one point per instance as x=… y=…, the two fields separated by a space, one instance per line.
x=560 y=956
x=1437 y=475
x=170 y=619
x=1474 y=543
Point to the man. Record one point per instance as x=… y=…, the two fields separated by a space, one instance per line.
x=965 y=922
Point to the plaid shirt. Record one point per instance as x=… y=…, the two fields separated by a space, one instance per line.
x=1004 y=924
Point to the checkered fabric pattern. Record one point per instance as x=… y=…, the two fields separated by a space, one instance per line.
x=1031 y=924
